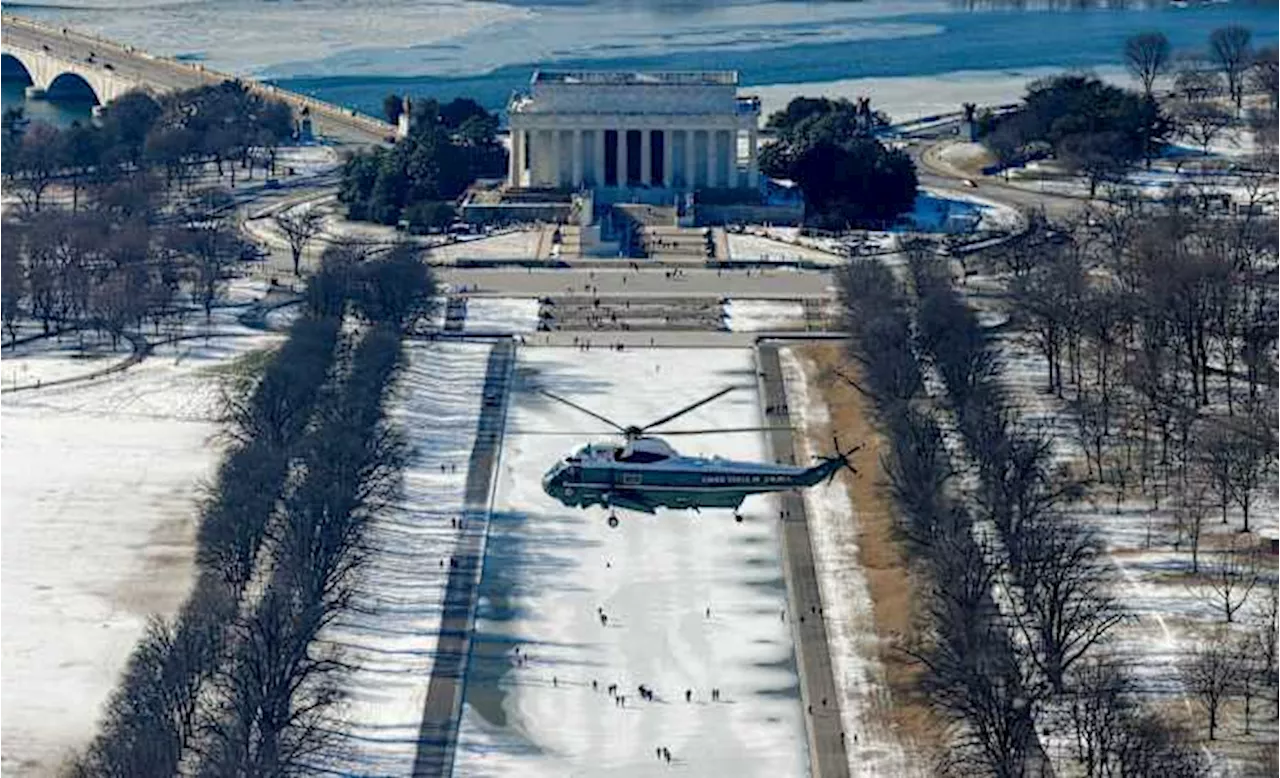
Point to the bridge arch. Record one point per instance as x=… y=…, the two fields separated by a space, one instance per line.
x=14 y=69
x=72 y=88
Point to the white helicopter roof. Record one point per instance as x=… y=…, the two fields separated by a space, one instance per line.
x=656 y=448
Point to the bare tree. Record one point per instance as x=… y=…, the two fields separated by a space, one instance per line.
x=1191 y=507
x=1201 y=122
x=1264 y=630
x=1210 y=675
x=38 y=159
x=1230 y=49
x=13 y=282
x=1265 y=75
x=213 y=248
x=1147 y=56
x=1098 y=705
x=300 y=226
x=1066 y=609
x=1228 y=585
x=1217 y=459
x=1194 y=79
x=1252 y=454
x=1249 y=676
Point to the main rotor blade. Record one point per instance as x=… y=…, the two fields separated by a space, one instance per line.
x=563 y=433
x=688 y=408
x=726 y=430
x=587 y=411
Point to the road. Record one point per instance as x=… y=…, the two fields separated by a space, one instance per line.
x=125 y=62
x=935 y=173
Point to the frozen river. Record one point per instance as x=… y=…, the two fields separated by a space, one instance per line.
x=355 y=51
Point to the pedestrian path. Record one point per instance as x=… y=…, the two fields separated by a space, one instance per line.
x=827 y=755
x=437 y=737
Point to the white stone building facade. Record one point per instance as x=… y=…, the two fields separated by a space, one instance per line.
x=676 y=131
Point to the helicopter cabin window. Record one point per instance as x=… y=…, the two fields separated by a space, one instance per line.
x=638 y=457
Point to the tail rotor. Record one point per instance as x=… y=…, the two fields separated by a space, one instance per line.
x=841 y=458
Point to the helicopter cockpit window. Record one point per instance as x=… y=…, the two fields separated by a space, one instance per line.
x=638 y=457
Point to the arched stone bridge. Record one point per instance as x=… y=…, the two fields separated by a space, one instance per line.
x=60 y=62
x=55 y=78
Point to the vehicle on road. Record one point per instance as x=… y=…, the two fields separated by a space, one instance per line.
x=646 y=473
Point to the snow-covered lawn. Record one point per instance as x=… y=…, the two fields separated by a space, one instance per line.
x=1172 y=613
x=550 y=571
x=851 y=631
x=932 y=212
x=101 y=483
x=760 y=315
x=768 y=246
x=517 y=244
x=390 y=633
x=952 y=212
x=501 y=314
x=53 y=359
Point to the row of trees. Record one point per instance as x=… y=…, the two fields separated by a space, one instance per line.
x=176 y=134
x=153 y=719
x=416 y=181
x=848 y=177
x=1064 y=609
x=237 y=684
x=976 y=671
x=109 y=270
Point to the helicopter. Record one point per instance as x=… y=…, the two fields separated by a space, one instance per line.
x=645 y=472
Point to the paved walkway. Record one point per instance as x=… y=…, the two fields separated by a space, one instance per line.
x=442 y=712
x=827 y=755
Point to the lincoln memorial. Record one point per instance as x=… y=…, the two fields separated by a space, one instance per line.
x=625 y=132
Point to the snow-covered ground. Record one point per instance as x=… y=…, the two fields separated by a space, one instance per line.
x=501 y=314
x=758 y=315
x=833 y=526
x=776 y=245
x=933 y=212
x=53 y=359
x=1172 y=613
x=550 y=571
x=390 y=633
x=954 y=213
x=101 y=484
x=517 y=244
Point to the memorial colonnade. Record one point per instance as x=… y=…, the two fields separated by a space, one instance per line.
x=621 y=151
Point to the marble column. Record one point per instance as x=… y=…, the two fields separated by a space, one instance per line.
x=687 y=161
x=753 y=163
x=668 y=155
x=598 y=173
x=553 y=154
x=622 y=156
x=577 y=158
x=646 y=157
x=711 y=158
x=513 y=160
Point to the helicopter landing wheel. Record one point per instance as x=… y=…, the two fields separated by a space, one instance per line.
x=612 y=521
x=737 y=517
